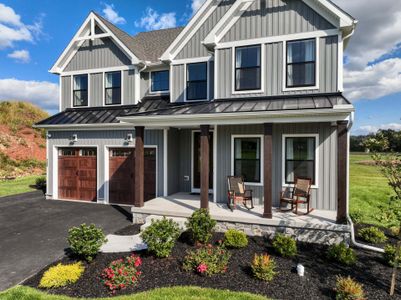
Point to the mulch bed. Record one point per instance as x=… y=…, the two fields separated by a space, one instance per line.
x=318 y=282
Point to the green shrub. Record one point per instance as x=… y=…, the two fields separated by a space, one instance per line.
x=372 y=235
x=161 y=236
x=235 y=239
x=40 y=183
x=285 y=246
x=263 y=267
x=85 y=241
x=395 y=231
x=389 y=255
x=207 y=260
x=341 y=253
x=201 y=225
x=348 y=289
x=61 y=275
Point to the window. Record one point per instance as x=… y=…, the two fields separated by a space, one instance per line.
x=247 y=68
x=247 y=158
x=67 y=152
x=160 y=81
x=197 y=81
x=88 y=152
x=113 y=88
x=300 y=158
x=301 y=63
x=80 y=91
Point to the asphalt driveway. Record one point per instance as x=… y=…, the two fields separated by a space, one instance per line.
x=33 y=231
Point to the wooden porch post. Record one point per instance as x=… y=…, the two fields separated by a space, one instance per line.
x=139 y=166
x=204 y=170
x=342 y=173
x=267 y=169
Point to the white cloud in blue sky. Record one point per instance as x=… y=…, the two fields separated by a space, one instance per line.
x=21 y=56
x=196 y=4
x=112 y=15
x=153 y=20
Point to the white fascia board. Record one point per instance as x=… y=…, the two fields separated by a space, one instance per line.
x=189 y=30
x=296 y=116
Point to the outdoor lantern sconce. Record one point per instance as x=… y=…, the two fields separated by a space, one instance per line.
x=129 y=138
x=74 y=138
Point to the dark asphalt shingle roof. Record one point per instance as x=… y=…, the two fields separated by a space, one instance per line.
x=147 y=46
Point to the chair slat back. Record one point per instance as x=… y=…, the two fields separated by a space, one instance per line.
x=302 y=187
x=234 y=183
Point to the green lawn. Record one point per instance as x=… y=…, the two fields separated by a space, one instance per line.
x=174 y=293
x=17 y=186
x=368 y=189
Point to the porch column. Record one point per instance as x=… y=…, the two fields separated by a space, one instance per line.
x=342 y=172
x=267 y=170
x=139 y=166
x=204 y=168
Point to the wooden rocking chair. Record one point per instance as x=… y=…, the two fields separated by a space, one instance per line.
x=237 y=192
x=299 y=194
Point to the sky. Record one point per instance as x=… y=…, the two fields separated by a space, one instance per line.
x=34 y=33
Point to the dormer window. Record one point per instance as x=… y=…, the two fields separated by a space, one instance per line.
x=197 y=81
x=247 y=68
x=80 y=90
x=113 y=88
x=301 y=63
x=160 y=81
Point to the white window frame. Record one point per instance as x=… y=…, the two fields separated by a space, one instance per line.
x=262 y=70
x=260 y=136
x=190 y=62
x=72 y=90
x=317 y=66
x=317 y=150
x=159 y=92
x=121 y=87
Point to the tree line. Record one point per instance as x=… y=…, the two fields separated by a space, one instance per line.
x=391 y=139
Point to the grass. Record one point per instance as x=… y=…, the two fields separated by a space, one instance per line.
x=172 y=293
x=368 y=189
x=17 y=186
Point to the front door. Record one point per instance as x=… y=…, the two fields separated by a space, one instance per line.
x=196 y=161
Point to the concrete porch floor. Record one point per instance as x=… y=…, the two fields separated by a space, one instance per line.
x=184 y=204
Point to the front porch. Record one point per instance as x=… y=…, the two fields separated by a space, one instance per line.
x=319 y=226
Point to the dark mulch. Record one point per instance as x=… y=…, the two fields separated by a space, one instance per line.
x=318 y=282
x=129 y=230
x=390 y=238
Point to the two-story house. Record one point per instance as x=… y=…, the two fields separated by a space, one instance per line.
x=247 y=87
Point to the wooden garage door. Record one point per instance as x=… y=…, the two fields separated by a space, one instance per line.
x=122 y=175
x=77 y=174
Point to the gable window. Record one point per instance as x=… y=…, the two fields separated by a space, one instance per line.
x=160 y=81
x=300 y=158
x=301 y=63
x=80 y=90
x=197 y=81
x=247 y=68
x=247 y=158
x=113 y=88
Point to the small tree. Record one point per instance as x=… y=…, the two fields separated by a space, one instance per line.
x=390 y=166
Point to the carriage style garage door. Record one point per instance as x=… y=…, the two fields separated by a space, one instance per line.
x=122 y=178
x=77 y=174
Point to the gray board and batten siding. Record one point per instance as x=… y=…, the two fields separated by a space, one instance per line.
x=274 y=67
x=102 y=138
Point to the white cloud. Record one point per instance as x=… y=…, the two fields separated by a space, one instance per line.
x=196 y=4
x=21 y=56
x=112 y=15
x=364 y=130
x=12 y=29
x=152 y=20
x=42 y=93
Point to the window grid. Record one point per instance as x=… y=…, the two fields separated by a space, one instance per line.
x=257 y=68
x=196 y=82
x=307 y=62
x=110 y=91
x=80 y=90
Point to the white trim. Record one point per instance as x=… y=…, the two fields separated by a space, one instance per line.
x=150 y=83
x=60 y=93
x=190 y=62
x=216 y=94
x=165 y=162
x=47 y=163
x=340 y=67
x=193 y=60
x=104 y=89
x=262 y=71
x=317 y=152
x=337 y=17
x=98 y=70
x=279 y=38
x=107 y=167
x=122 y=87
x=93 y=37
x=137 y=86
x=215 y=149
x=189 y=31
x=195 y=190
x=260 y=136
x=55 y=169
x=89 y=89
x=317 y=68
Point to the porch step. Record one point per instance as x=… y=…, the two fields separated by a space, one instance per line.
x=148 y=221
x=120 y=243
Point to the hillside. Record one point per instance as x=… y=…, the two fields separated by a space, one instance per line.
x=22 y=148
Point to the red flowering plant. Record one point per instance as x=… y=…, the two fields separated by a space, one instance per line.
x=122 y=273
x=207 y=260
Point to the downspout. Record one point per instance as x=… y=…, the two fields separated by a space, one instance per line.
x=353 y=241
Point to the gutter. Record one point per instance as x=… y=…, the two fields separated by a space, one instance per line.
x=351 y=224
